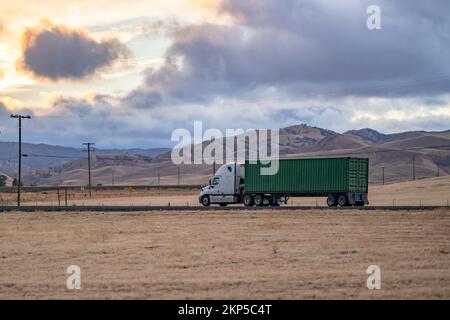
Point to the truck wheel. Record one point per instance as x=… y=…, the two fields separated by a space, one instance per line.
x=359 y=204
x=206 y=201
x=331 y=200
x=342 y=200
x=248 y=200
x=274 y=201
x=259 y=200
x=223 y=204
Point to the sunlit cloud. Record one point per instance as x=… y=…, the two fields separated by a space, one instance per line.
x=13 y=82
x=74 y=17
x=11 y=102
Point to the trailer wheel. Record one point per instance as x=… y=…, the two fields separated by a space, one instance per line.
x=248 y=200
x=274 y=201
x=206 y=201
x=259 y=200
x=342 y=200
x=359 y=204
x=331 y=200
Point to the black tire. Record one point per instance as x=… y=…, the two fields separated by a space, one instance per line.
x=275 y=204
x=248 y=200
x=223 y=204
x=342 y=200
x=331 y=200
x=359 y=204
x=206 y=201
x=274 y=201
x=259 y=200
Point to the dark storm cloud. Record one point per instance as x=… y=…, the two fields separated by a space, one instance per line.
x=158 y=27
x=310 y=48
x=71 y=121
x=8 y=126
x=142 y=98
x=57 y=52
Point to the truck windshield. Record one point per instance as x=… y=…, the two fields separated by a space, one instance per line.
x=215 y=181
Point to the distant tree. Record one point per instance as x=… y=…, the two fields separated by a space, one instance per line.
x=2 y=180
x=15 y=183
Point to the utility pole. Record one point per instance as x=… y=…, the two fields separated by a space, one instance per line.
x=159 y=179
x=383 y=174
x=437 y=169
x=88 y=150
x=178 y=167
x=112 y=176
x=214 y=168
x=19 y=174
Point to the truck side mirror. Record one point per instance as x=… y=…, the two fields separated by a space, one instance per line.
x=209 y=182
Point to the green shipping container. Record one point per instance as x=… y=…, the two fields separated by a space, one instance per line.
x=314 y=177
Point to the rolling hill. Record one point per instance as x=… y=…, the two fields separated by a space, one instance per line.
x=394 y=152
x=44 y=155
x=8 y=178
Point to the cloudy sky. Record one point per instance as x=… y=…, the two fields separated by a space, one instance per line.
x=126 y=73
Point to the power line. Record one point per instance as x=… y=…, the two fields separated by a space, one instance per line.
x=128 y=159
x=8 y=159
x=333 y=154
x=50 y=156
x=12 y=145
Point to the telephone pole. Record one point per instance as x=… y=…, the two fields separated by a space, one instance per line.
x=112 y=176
x=383 y=174
x=19 y=174
x=88 y=150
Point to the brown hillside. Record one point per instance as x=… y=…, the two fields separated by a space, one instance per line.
x=395 y=154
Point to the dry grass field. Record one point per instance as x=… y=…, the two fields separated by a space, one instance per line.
x=432 y=191
x=213 y=255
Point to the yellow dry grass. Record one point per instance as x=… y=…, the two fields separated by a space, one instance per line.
x=230 y=255
x=433 y=191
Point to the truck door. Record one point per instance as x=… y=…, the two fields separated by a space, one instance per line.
x=216 y=186
x=219 y=194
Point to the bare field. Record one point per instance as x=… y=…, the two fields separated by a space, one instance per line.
x=432 y=191
x=213 y=255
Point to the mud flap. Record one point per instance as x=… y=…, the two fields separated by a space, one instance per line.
x=357 y=197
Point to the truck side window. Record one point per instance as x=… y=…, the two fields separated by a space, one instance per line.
x=215 y=181
x=229 y=168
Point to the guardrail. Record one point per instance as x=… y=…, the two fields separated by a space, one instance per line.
x=212 y=208
x=99 y=188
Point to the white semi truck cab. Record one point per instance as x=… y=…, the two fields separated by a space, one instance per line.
x=227 y=185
